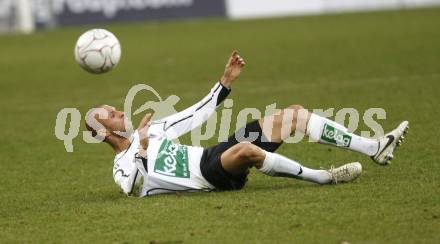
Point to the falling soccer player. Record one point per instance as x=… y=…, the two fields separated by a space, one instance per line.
x=149 y=153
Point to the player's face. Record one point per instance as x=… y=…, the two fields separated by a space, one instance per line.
x=116 y=120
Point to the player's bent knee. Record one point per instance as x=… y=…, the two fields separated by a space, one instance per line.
x=250 y=153
x=291 y=112
x=295 y=107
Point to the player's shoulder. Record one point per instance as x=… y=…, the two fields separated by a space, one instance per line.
x=130 y=151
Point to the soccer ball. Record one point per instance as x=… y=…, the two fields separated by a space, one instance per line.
x=97 y=51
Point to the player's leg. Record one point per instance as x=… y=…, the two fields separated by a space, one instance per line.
x=236 y=176
x=294 y=118
x=240 y=157
x=280 y=126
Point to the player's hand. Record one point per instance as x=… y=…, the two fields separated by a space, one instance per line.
x=233 y=69
x=143 y=134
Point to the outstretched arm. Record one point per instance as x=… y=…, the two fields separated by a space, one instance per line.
x=180 y=123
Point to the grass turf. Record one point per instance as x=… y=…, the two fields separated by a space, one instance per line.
x=386 y=59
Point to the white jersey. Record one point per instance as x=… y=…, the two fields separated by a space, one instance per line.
x=169 y=166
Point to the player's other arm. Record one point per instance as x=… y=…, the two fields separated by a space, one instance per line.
x=188 y=119
x=127 y=173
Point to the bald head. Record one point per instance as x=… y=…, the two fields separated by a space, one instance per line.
x=104 y=121
x=92 y=119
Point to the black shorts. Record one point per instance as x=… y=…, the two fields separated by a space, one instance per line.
x=211 y=166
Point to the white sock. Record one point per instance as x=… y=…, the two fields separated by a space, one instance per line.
x=329 y=132
x=277 y=165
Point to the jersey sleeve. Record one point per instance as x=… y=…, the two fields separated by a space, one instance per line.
x=126 y=175
x=182 y=122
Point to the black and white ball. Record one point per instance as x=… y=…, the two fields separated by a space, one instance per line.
x=97 y=51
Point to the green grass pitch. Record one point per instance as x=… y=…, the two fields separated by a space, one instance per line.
x=389 y=60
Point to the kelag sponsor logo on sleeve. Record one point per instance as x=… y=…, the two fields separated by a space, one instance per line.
x=71 y=12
